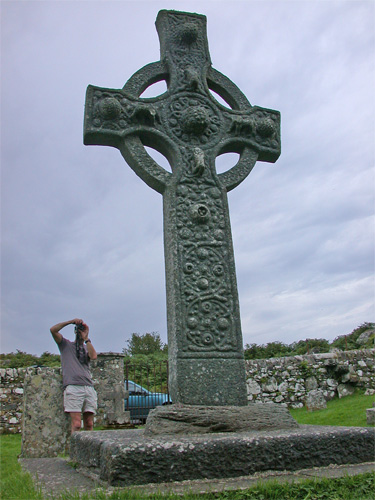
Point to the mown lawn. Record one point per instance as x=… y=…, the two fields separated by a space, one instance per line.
x=350 y=411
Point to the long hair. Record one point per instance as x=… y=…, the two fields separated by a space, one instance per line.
x=77 y=331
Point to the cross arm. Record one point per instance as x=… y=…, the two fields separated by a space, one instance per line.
x=258 y=129
x=111 y=116
x=255 y=135
x=107 y=116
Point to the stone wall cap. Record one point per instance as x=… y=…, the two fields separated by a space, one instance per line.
x=319 y=355
x=111 y=354
x=327 y=355
x=37 y=369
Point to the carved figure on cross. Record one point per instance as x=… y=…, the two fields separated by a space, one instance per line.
x=191 y=128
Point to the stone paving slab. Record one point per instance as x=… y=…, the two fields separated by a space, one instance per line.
x=55 y=475
x=245 y=482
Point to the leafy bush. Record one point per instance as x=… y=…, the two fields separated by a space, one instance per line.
x=21 y=359
x=349 y=342
x=278 y=349
x=310 y=346
x=271 y=350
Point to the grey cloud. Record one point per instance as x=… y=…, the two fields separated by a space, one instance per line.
x=82 y=235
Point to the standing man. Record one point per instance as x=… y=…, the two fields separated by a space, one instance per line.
x=79 y=393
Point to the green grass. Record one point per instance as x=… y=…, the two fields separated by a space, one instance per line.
x=14 y=483
x=349 y=411
x=358 y=487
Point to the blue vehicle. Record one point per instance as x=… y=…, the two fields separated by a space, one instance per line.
x=141 y=401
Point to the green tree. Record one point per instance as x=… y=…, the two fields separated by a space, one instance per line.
x=146 y=361
x=148 y=343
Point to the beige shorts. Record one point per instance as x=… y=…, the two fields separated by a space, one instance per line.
x=80 y=398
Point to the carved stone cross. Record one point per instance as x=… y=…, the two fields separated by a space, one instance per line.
x=191 y=128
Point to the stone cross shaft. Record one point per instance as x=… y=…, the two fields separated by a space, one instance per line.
x=191 y=128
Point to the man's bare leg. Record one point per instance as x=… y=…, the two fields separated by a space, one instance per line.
x=75 y=421
x=88 y=421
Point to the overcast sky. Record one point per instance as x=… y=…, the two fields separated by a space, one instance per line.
x=82 y=235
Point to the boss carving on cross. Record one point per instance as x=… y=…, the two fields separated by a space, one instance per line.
x=191 y=128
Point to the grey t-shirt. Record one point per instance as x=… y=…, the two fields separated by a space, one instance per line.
x=75 y=371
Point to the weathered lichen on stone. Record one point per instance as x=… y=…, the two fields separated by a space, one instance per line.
x=125 y=458
x=108 y=377
x=45 y=426
x=191 y=128
x=185 y=419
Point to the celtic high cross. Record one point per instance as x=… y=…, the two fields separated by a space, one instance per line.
x=191 y=128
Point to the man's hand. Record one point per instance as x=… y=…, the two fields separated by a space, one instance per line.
x=84 y=331
x=84 y=336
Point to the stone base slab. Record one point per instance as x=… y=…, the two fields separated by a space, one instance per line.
x=185 y=419
x=128 y=457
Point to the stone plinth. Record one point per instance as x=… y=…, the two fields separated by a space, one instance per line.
x=370 y=416
x=45 y=426
x=128 y=457
x=184 y=419
x=108 y=376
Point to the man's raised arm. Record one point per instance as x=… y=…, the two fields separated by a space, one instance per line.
x=85 y=337
x=55 y=330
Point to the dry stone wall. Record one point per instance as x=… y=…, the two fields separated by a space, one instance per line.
x=108 y=377
x=11 y=397
x=286 y=380
x=290 y=380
